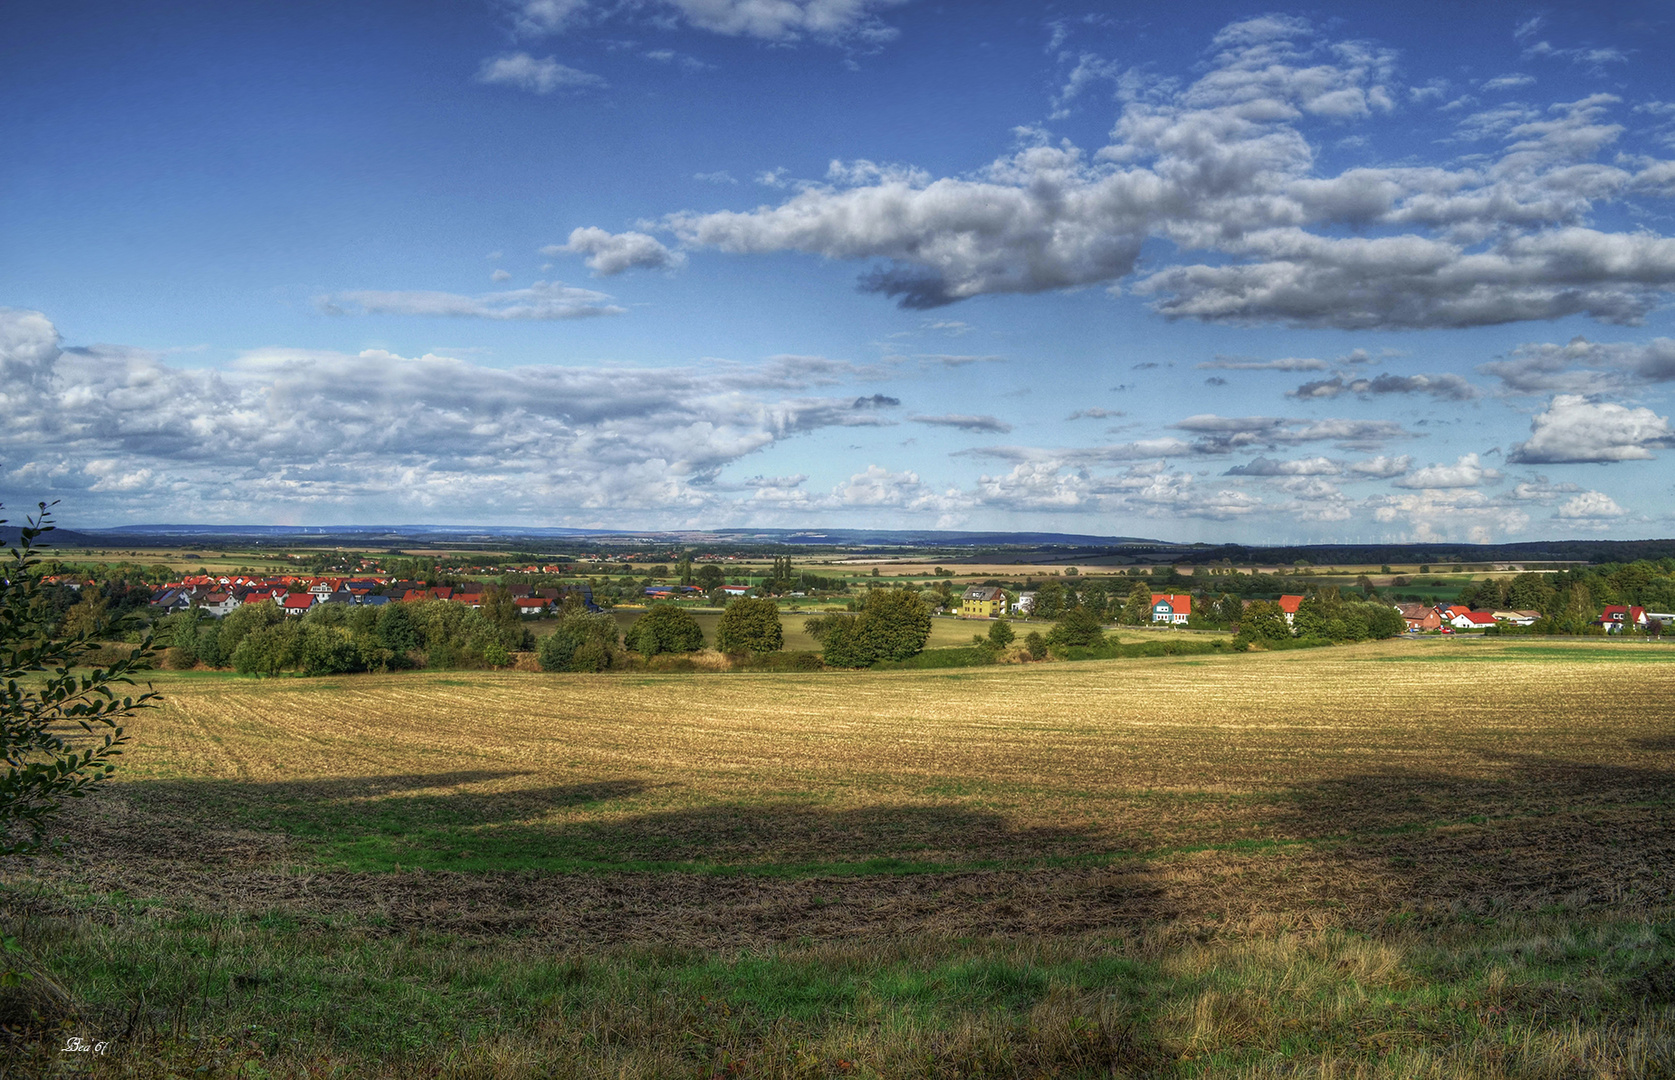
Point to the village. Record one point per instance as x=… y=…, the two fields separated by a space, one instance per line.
x=296 y=595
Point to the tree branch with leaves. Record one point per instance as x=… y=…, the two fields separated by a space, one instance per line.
x=60 y=728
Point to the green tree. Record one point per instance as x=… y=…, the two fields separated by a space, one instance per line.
x=1263 y=620
x=395 y=629
x=1036 y=644
x=665 y=629
x=710 y=577
x=1001 y=634
x=1049 y=601
x=749 y=625
x=1137 y=609
x=43 y=766
x=841 y=644
x=895 y=624
x=1078 y=626
x=581 y=642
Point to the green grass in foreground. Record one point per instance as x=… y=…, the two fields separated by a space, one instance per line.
x=277 y=995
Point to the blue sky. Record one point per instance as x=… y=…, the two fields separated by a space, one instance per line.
x=1209 y=271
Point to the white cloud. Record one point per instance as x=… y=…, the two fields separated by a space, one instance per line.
x=720 y=176
x=1467 y=472
x=499 y=276
x=1262 y=466
x=1583 y=366
x=1574 y=429
x=1382 y=467
x=831 y=21
x=537 y=76
x=361 y=436
x=541 y=301
x=1509 y=82
x=1223 y=166
x=609 y=254
x=1590 y=506
x=1438 y=515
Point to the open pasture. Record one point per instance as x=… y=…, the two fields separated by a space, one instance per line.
x=1407 y=858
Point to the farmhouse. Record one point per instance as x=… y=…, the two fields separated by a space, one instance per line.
x=1472 y=620
x=1617 y=616
x=1288 y=608
x=1517 y=618
x=1171 y=608
x=297 y=604
x=982 y=602
x=1420 y=617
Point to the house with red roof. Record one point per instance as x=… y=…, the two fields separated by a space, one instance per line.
x=1171 y=608
x=1473 y=620
x=297 y=603
x=1616 y=617
x=1289 y=606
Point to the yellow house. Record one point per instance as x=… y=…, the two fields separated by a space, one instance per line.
x=982 y=602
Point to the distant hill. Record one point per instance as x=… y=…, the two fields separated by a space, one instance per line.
x=951 y=547
x=56 y=538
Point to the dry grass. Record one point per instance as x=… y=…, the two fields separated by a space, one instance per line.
x=1437 y=858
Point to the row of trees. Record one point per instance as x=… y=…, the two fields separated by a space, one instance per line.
x=1570 y=601
x=335 y=638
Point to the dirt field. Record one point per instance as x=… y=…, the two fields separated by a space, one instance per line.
x=1226 y=818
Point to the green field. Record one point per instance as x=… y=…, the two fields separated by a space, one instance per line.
x=1409 y=858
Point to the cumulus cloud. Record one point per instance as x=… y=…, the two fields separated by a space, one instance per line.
x=541 y=301
x=1575 y=429
x=1261 y=466
x=361 y=435
x=965 y=423
x=1467 y=472
x=1590 y=507
x=609 y=254
x=1447 y=387
x=1223 y=165
x=1441 y=515
x=537 y=76
x=1382 y=467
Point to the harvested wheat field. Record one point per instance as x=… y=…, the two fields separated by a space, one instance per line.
x=1412 y=858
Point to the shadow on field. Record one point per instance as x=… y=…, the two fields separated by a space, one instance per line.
x=1509 y=833
x=374 y=823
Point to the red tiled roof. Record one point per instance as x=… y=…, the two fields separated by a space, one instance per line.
x=1288 y=604
x=1182 y=605
x=299 y=603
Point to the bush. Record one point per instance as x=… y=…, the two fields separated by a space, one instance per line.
x=1036 y=644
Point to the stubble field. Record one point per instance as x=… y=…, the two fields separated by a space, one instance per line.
x=1410 y=858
